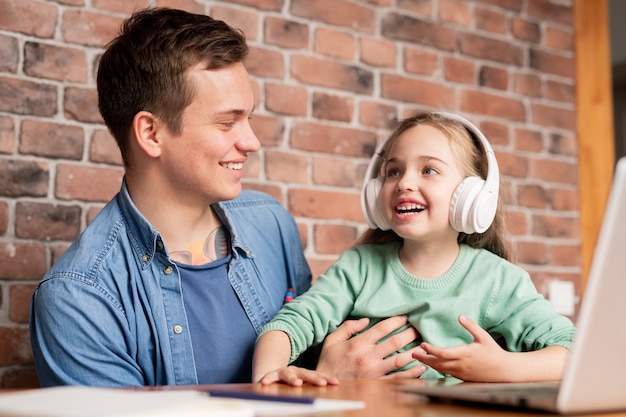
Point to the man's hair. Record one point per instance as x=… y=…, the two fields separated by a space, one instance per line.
x=144 y=68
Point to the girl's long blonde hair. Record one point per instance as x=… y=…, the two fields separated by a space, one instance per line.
x=472 y=161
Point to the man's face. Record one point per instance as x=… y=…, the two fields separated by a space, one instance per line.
x=204 y=162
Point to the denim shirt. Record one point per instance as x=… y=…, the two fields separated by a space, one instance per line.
x=110 y=312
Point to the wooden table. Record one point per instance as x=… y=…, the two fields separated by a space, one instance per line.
x=383 y=400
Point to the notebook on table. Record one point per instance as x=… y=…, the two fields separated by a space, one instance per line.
x=595 y=377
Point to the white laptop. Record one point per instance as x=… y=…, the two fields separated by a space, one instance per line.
x=595 y=378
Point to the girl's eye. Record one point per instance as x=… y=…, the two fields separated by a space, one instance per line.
x=430 y=171
x=393 y=172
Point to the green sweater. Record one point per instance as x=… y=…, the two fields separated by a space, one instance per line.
x=369 y=281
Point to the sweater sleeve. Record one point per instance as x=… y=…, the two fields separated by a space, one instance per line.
x=522 y=317
x=319 y=311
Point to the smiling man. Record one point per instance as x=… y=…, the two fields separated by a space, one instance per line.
x=172 y=281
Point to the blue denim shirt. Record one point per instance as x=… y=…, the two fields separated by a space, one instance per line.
x=110 y=311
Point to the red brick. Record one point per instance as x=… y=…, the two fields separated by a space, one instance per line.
x=533 y=253
x=275 y=5
x=563 y=144
x=491 y=49
x=564 y=199
x=265 y=63
x=491 y=20
x=335 y=43
x=410 y=29
x=545 y=115
x=286 y=167
x=334 y=171
x=336 y=12
x=420 y=61
x=76 y=182
x=565 y=255
x=89 y=28
x=47 y=221
x=378 y=52
x=558 y=91
x=9 y=54
x=319 y=265
x=247 y=21
x=524 y=30
x=435 y=94
x=459 y=70
x=286 y=33
x=268 y=129
x=528 y=140
x=30 y=17
x=51 y=140
x=92 y=212
x=57 y=249
x=334 y=239
x=19 y=261
x=27 y=97
x=120 y=6
x=555 y=226
x=496 y=133
x=549 y=10
x=332 y=74
x=23 y=178
x=488 y=104
x=378 y=115
x=81 y=104
x=304 y=234
x=20 y=378
x=333 y=107
x=324 y=204
x=457 y=12
x=516 y=222
x=19 y=302
x=15 y=346
x=512 y=5
x=55 y=62
x=187 y=5
x=557 y=171
x=104 y=149
x=559 y=39
x=527 y=85
x=330 y=139
x=513 y=165
x=531 y=195
x=424 y=8
x=4 y=219
x=552 y=63
x=492 y=77
x=286 y=99
x=7 y=135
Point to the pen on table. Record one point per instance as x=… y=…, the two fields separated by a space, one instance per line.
x=246 y=395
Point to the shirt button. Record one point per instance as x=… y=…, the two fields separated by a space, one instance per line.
x=178 y=329
x=167 y=270
x=160 y=244
x=145 y=258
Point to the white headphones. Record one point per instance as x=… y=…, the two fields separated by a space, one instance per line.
x=474 y=202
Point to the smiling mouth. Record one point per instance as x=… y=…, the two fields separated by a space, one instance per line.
x=233 y=165
x=410 y=208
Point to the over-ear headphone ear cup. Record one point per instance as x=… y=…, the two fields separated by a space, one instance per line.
x=462 y=205
x=371 y=206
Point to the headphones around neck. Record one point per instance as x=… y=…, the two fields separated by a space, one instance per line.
x=474 y=202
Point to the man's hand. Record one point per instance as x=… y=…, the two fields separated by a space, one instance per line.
x=359 y=357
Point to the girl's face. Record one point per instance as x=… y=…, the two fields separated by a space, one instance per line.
x=421 y=175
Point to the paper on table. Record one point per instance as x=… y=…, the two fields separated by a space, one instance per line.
x=111 y=402
x=321 y=405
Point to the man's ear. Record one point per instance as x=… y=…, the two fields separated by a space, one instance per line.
x=146 y=127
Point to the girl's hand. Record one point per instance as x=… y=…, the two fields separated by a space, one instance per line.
x=296 y=377
x=482 y=360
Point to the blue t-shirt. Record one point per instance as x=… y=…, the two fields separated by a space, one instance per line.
x=213 y=309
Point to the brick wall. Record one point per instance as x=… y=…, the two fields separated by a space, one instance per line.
x=332 y=76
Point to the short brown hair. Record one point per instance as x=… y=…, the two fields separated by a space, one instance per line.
x=144 y=68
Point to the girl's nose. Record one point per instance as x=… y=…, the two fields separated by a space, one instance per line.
x=407 y=182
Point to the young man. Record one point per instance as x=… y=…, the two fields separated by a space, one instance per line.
x=174 y=278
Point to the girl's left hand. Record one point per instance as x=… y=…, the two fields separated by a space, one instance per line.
x=481 y=360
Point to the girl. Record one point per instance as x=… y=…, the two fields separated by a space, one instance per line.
x=435 y=253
